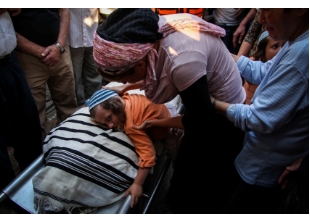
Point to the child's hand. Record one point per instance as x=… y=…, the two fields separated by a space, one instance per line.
x=135 y=190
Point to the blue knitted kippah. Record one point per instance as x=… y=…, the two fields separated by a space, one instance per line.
x=99 y=97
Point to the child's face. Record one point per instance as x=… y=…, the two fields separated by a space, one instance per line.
x=106 y=118
x=272 y=48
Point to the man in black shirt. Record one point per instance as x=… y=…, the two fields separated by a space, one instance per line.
x=41 y=49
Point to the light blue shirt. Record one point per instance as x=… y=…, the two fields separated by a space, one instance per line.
x=277 y=121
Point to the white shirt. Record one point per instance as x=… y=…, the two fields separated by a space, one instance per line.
x=7 y=35
x=83 y=24
x=226 y=16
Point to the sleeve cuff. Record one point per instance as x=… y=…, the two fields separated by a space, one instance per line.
x=230 y=112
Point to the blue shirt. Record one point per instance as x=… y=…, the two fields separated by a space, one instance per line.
x=277 y=120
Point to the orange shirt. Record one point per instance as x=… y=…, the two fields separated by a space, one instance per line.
x=138 y=109
x=250 y=90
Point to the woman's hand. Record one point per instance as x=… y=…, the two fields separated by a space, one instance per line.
x=235 y=57
x=145 y=125
x=135 y=190
x=118 y=89
x=171 y=122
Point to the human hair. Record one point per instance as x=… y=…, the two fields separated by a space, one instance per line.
x=259 y=54
x=114 y=104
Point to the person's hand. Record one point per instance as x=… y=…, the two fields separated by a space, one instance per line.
x=285 y=180
x=118 y=89
x=238 y=35
x=211 y=98
x=51 y=55
x=252 y=58
x=12 y=11
x=145 y=125
x=235 y=57
x=135 y=190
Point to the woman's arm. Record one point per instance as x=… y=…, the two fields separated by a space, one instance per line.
x=251 y=37
x=173 y=122
x=244 y=49
x=219 y=106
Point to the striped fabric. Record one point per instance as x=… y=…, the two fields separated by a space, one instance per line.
x=100 y=96
x=87 y=166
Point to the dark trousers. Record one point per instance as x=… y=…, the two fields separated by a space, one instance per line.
x=19 y=119
x=253 y=199
x=202 y=182
x=228 y=40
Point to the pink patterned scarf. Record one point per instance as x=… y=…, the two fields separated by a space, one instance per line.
x=110 y=54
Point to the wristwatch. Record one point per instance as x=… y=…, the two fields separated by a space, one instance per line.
x=62 y=50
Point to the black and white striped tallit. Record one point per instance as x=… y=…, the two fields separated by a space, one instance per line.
x=86 y=166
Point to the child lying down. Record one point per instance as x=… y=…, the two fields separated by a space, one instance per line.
x=123 y=113
x=89 y=165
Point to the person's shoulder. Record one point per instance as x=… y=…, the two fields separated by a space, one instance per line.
x=163 y=19
x=134 y=96
x=299 y=47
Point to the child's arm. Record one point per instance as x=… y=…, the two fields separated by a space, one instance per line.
x=173 y=122
x=121 y=89
x=135 y=190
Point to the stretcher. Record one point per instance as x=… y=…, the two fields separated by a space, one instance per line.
x=20 y=190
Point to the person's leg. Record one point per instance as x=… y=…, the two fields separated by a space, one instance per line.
x=62 y=87
x=205 y=158
x=37 y=74
x=227 y=39
x=20 y=124
x=92 y=81
x=6 y=170
x=77 y=57
x=252 y=199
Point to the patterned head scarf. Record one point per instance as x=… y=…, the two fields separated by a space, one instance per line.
x=128 y=35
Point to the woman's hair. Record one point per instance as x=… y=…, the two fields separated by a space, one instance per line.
x=259 y=54
x=114 y=104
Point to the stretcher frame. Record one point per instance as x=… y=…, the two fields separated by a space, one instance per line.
x=20 y=190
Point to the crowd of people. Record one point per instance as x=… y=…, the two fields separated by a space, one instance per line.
x=240 y=153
